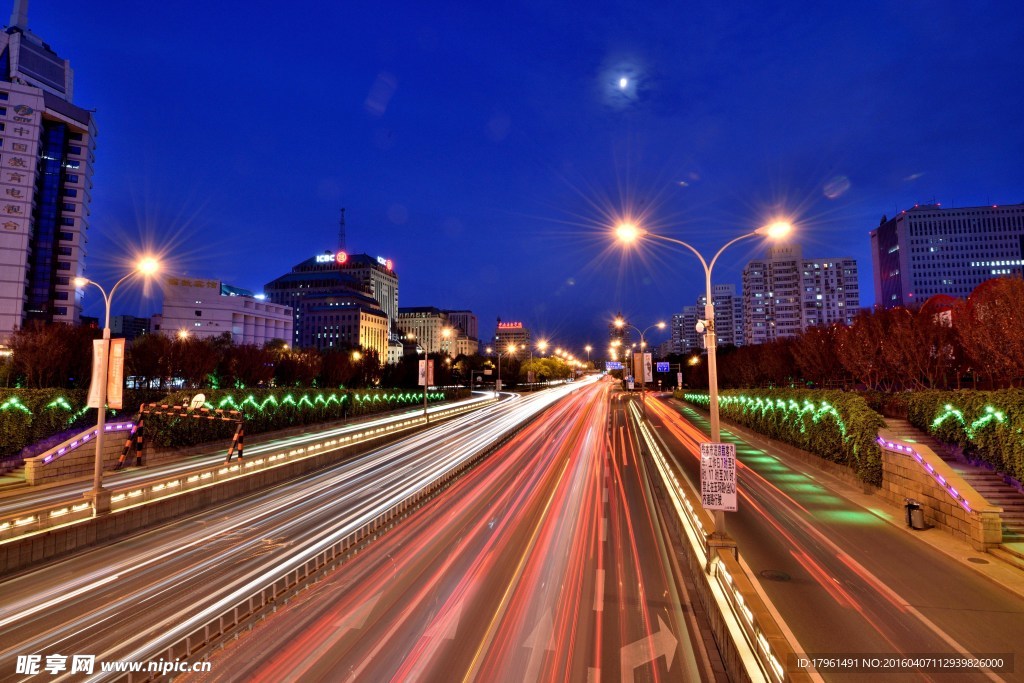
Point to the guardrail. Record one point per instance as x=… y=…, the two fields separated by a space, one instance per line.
x=759 y=641
x=22 y=523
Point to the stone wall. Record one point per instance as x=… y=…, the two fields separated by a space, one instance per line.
x=79 y=458
x=967 y=515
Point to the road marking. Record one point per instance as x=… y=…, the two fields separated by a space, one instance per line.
x=647 y=650
x=447 y=625
x=539 y=642
x=605 y=498
x=599 y=591
x=604 y=529
x=357 y=618
x=593 y=675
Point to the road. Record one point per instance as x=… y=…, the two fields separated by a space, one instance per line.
x=30 y=497
x=844 y=580
x=542 y=564
x=131 y=599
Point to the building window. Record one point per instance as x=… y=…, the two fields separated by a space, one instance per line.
x=66 y=236
x=62 y=265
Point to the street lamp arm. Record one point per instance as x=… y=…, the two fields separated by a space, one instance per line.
x=707 y=268
x=726 y=246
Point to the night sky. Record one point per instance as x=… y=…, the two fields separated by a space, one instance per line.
x=487 y=148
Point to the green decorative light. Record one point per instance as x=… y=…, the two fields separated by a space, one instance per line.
x=14 y=404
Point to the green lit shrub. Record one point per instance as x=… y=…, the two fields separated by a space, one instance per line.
x=987 y=425
x=838 y=426
x=267 y=410
x=31 y=415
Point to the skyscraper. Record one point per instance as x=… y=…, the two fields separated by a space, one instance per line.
x=46 y=156
x=930 y=250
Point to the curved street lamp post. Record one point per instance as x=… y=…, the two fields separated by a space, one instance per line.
x=620 y=323
x=99 y=496
x=627 y=233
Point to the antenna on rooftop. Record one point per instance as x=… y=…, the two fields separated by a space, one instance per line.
x=341 y=231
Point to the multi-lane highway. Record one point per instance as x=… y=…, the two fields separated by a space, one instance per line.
x=845 y=580
x=541 y=564
x=130 y=600
x=27 y=498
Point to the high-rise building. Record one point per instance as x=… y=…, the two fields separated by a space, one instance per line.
x=784 y=293
x=336 y=274
x=511 y=333
x=466 y=322
x=929 y=250
x=344 y=320
x=45 y=181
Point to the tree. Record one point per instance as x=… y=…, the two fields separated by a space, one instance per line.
x=53 y=355
x=296 y=368
x=193 y=360
x=246 y=365
x=990 y=325
x=147 y=359
x=816 y=357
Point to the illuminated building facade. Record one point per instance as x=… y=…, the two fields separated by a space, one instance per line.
x=426 y=326
x=210 y=308
x=929 y=250
x=511 y=333
x=46 y=162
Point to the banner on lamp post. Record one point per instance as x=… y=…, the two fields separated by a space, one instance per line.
x=115 y=374
x=426 y=378
x=99 y=365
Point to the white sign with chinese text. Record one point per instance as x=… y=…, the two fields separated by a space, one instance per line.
x=718 y=476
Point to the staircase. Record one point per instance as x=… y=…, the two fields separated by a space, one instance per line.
x=988 y=483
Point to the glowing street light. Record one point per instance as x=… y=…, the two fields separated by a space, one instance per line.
x=627 y=233
x=99 y=496
x=620 y=323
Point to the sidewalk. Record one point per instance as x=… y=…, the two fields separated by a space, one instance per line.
x=995 y=567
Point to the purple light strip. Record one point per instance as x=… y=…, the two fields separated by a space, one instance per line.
x=113 y=427
x=892 y=446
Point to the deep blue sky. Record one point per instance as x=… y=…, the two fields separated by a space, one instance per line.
x=485 y=147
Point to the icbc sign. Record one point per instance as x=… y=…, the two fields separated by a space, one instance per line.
x=338 y=258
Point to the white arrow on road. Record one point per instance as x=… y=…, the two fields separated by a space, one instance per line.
x=357 y=617
x=648 y=649
x=447 y=625
x=539 y=642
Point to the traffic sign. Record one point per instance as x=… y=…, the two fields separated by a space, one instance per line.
x=718 y=476
x=663 y=367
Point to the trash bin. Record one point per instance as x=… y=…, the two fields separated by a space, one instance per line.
x=915 y=515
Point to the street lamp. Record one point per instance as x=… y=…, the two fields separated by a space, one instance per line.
x=588 y=348
x=620 y=323
x=628 y=233
x=101 y=497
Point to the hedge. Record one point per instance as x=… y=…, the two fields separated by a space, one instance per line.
x=267 y=410
x=838 y=426
x=31 y=415
x=987 y=425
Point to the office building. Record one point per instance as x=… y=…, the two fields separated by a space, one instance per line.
x=513 y=333
x=46 y=163
x=929 y=250
x=428 y=328
x=128 y=326
x=336 y=274
x=465 y=322
x=210 y=308
x=684 y=337
x=344 y=320
x=785 y=294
